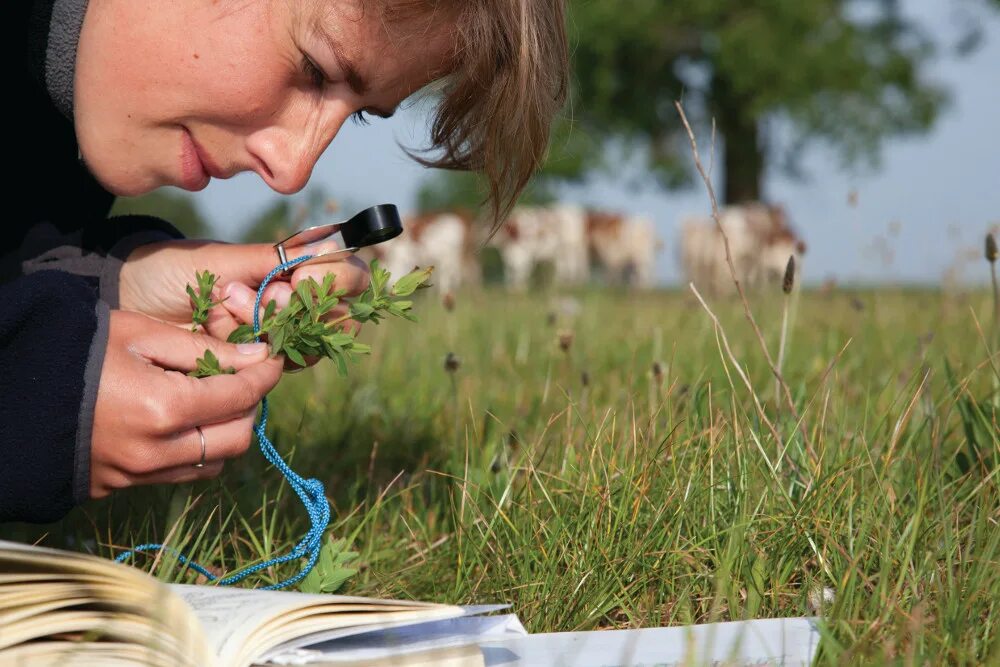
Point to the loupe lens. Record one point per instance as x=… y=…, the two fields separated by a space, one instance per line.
x=371 y=226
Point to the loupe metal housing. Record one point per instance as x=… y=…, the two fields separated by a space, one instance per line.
x=367 y=228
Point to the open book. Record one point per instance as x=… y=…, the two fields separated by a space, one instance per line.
x=58 y=607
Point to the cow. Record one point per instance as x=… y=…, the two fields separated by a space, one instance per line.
x=535 y=235
x=442 y=239
x=760 y=243
x=622 y=247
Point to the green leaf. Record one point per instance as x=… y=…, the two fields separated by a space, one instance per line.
x=241 y=334
x=269 y=309
x=278 y=339
x=304 y=290
x=208 y=365
x=362 y=312
x=341 y=365
x=412 y=281
x=295 y=356
x=333 y=568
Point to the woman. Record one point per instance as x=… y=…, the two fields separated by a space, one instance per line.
x=119 y=97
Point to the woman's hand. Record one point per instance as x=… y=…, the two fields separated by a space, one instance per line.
x=153 y=279
x=147 y=407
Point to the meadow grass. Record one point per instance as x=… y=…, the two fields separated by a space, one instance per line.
x=591 y=491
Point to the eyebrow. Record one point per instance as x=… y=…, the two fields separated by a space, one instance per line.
x=351 y=74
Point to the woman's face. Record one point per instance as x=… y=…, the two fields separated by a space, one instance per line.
x=178 y=92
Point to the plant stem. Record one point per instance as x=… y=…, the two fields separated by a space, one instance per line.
x=781 y=352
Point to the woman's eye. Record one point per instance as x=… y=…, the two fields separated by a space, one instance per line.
x=359 y=118
x=315 y=74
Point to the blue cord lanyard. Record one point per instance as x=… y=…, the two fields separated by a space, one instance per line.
x=310 y=491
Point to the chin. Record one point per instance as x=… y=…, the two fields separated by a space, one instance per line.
x=121 y=184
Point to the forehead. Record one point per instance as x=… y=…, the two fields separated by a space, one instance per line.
x=390 y=54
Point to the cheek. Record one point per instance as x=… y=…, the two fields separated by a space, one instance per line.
x=147 y=66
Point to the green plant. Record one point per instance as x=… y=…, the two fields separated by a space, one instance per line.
x=332 y=568
x=302 y=329
x=209 y=365
x=202 y=299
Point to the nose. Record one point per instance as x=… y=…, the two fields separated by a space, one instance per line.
x=287 y=151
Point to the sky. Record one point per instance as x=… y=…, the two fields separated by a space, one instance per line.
x=920 y=218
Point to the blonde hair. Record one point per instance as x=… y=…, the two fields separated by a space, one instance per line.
x=508 y=79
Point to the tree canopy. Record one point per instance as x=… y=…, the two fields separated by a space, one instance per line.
x=850 y=73
x=847 y=72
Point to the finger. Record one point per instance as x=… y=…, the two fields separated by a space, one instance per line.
x=177 y=349
x=217 y=398
x=227 y=438
x=239 y=299
x=350 y=273
x=110 y=481
x=223 y=440
x=179 y=474
x=221 y=323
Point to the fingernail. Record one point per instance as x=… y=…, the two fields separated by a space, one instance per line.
x=251 y=348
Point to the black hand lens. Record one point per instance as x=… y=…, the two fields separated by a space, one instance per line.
x=367 y=228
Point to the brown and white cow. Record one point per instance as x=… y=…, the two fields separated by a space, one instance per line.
x=622 y=247
x=443 y=240
x=573 y=240
x=536 y=235
x=760 y=242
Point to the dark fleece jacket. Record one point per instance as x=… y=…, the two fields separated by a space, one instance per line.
x=59 y=264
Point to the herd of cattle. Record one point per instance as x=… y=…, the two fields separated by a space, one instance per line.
x=575 y=245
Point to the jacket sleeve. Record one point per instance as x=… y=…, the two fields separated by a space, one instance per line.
x=97 y=250
x=53 y=336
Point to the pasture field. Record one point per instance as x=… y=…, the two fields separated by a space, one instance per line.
x=630 y=479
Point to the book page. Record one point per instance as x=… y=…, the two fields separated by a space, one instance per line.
x=243 y=624
x=394 y=641
x=46 y=593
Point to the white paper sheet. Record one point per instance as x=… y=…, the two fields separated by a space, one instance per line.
x=788 y=642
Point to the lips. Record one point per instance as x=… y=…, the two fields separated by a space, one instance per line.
x=211 y=168
x=194 y=173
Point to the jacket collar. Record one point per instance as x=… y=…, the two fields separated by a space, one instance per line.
x=55 y=35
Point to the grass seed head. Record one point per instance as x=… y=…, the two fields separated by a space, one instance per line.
x=451 y=362
x=991 y=248
x=448 y=301
x=657 y=371
x=585 y=379
x=565 y=340
x=789 y=280
x=550 y=319
x=513 y=440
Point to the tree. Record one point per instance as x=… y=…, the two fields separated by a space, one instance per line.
x=175 y=207
x=848 y=72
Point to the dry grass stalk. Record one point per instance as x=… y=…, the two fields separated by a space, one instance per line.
x=739 y=369
x=739 y=287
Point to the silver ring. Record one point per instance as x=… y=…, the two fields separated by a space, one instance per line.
x=201 y=464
